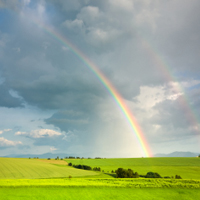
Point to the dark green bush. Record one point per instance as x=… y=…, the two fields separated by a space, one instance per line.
x=85 y=167
x=153 y=175
x=178 y=177
x=71 y=157
x=97 y=169
x=123 y=173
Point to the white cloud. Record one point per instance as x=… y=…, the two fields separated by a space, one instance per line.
x=8 y=143
x=53 y=148
x=20 y=133
x=5 y=130
x=150 y=96
x=89 y=14
x=39 y=133
x=27 y=2
x=75 y=25
x=188 y=84
x=126 y=5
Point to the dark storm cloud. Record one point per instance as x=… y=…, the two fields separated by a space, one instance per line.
x=114 y=35
x=7 y=100
x=47 y=76
x=10 y=4
x=70 y=120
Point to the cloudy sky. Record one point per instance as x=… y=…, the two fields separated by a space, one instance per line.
x=50 y=101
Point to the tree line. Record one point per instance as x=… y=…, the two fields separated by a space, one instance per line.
x=124 y=173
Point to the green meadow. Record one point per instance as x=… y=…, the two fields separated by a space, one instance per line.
x=41 y=179
x=98 y=193
x=23 y=168
x=187 y=168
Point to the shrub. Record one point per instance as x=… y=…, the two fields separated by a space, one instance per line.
x=178 y=177
x=70 y=164
x=153 y=175
x=48 y=158
x=85 y=167
x=70 y=176
x=71 y=157
x=123 y=173
x=136 y=175
x=97 y=169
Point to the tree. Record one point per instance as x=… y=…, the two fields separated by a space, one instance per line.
x=178 y=177
x=153 y=175
x=136 y=175
x=124 y=173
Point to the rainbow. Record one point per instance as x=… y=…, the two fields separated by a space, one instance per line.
x=107 y=84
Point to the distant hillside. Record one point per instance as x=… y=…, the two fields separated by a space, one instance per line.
x=46 y=155
x=177 y=154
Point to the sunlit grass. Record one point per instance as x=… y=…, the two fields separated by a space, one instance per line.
x=188 y=168
x=91 y=193
x=18 y=168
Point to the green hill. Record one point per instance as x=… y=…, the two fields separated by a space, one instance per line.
x=187 y=168
x=22 y=168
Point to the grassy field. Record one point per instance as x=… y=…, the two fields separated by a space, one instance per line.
x=102 y=182
x=18 y=168
x=98 y=193
x=187 y=168
x=80 y=188
x=43 y=179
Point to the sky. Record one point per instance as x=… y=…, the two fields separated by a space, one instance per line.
x=51 y=101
